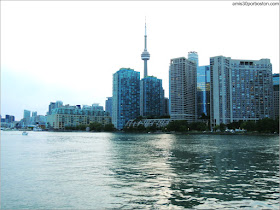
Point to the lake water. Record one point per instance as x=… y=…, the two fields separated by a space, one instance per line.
x=48 y=170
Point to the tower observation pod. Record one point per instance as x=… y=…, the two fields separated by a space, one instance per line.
x=145 y=56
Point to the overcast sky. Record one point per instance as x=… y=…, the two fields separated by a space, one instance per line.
x=69 y=50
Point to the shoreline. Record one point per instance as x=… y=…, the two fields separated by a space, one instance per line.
x=245 y=133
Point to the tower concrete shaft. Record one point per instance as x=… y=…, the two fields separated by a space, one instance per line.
x=145 y=55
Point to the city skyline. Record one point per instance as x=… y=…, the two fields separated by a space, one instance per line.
x=72 y=58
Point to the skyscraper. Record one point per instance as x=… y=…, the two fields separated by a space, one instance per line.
x=203 y=86
x=108 y=105
x=193 y=56
x=145 y=55
x=26 y=114
x=126 y=96
x=240 y=90
x=203 y=90
x=151 y=97
x=276 y=94
x=166 y=107
x=182 y=89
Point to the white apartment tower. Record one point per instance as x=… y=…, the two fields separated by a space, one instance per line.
x=182 y=89
x=240 y=90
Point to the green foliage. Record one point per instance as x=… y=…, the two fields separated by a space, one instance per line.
x=178 y=125
x=222 y=127
x=268 y=125
x=235 y=125
x=95 y=126
x=152 y=128
x=109 y=127
x=204 y=117
x=141 y=128
x=198 y=126
x=249 y=125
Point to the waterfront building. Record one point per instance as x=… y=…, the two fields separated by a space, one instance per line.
x=72 y=116
x=193 y=56
x=240 y=90
x=97 y=107
x=203 y=90
x=151 y=97
x=276 y=94
x=26 y=114
x=58 y=104
x=26 y=118
x=166 y=107
x=183 y=89
x=54 y=105
x=51 y=107
x=145 y=54
x=34 y=114
x=126 y=96
x=108 y=105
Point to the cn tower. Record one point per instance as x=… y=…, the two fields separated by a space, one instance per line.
x=145 y=54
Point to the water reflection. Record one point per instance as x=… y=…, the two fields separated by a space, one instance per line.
x=194 y=171
x=126 y=171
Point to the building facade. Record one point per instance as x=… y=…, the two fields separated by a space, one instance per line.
x=166 y=107
x=108 y=105
x=151 y=97
x=240 y=90
x=203 y=91
x=72 y=116
x=183 y=89
x=276 y=95
x=126 y=97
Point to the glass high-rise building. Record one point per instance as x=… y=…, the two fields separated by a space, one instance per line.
x=183 y=89
x=193 y=56
x=126 y=96
x=108 y=105
x=276 y=94
x=151 y=97
x=240 y=90
x=203 y=90
x=26 y=114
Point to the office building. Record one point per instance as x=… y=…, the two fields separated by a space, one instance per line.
x=126 y=96
x=108 y=105
x=203 y=91
x=34 y=114
x=183 y=89
x=151 y=97
x=145 y=54
x=51 y=107
x=240 y=90
x=26 y=114
x=166 y=107
x=72 y=116
x=276 y=95
x=193 y=56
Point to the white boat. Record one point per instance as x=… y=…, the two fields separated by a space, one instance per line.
x=24 y=133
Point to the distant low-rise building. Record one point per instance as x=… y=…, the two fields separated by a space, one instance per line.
x=72 y=116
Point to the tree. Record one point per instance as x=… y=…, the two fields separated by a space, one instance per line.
x=178 y=125
x=249 y=126
x=109 y=127
x=222 y=127
x=95 y=126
